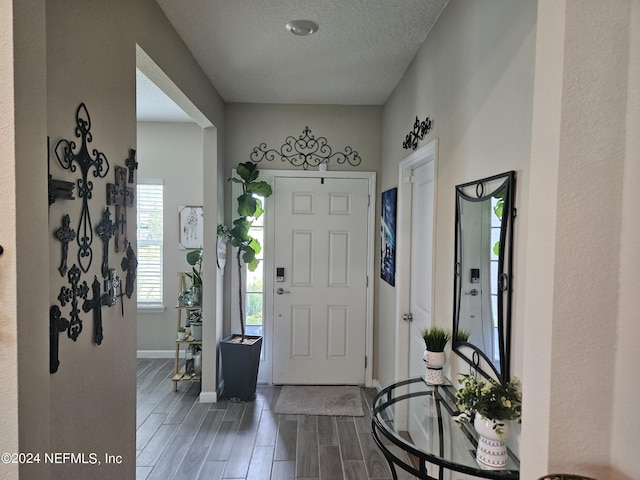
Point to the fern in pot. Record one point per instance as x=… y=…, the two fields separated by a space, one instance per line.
x=241 y=352
x=435 y=340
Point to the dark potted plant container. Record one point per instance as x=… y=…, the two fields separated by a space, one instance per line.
x=241 y=353
x=240 y=364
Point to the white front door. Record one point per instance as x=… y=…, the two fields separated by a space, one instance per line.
x=321 y=242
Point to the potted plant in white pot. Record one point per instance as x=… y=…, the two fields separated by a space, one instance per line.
x=241 y=352
x=490 y=406
x=435 y=339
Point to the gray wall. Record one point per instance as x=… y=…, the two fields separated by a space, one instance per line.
x=172 y=152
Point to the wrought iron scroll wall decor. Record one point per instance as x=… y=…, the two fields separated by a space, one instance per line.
x=420 y=130
x=67 y=159
x=72 y=154
x=306 y=151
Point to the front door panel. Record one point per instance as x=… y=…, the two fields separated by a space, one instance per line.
x=320 y=314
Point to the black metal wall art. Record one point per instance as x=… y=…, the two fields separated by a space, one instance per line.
x=306 y=151
x=420 y=130
x=121 y=196
x=131 y=163
x=57 y=188
x=57 y=324
x=68 y=159
x=105 y=230
x=130 y=265
x=77 y=290
x=65 y=234
x=95 y=304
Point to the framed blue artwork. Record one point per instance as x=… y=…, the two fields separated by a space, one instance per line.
x=388 y=236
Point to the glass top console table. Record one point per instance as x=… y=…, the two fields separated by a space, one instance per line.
x=413 y=417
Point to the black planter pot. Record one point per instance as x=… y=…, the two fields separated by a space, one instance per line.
x=240 y=363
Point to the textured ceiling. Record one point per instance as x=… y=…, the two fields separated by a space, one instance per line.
x=359 y=53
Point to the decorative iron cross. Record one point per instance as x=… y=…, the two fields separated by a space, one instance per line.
x=105 y=230
x=111 y=284
x=65 y=235
x=72 y=294
x=95 y=304
x=130 y=265
x=131 y=163
x=66 y=158
x=121 y=196
x=57 y=324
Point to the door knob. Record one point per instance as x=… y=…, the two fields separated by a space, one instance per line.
x=407 y=317
x=281 y=290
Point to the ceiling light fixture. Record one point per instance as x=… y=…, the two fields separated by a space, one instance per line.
x=302 y=27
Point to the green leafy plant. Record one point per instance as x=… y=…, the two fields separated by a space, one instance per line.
x=249 y=209
x=181 y=329
x=194 y=258
x=435 y=338
x=493 y=400
x=462 y=335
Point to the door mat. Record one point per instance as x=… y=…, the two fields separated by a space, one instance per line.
x=320 y=400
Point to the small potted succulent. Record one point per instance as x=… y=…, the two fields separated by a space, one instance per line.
x=435 y=339
x=182 y=333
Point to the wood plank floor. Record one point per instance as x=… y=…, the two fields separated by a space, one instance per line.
x=181 y=439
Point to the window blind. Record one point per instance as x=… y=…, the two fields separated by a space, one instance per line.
x=150 y=242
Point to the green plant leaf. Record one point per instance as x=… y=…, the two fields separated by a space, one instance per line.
x=253 y=264
x=260 y=188
x=255 y=246
x=247 y=171
x=247 y=205
x=194 y=256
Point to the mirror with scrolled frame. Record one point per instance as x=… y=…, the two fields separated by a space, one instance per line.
x=483 y=274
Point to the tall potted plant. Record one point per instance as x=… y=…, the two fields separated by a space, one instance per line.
x=241 y=353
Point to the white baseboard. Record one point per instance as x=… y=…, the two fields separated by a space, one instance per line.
x=376 y=385
x=156 y=353
x=208 y=397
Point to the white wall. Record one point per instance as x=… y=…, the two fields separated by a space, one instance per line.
x=581 y=313
x=172 y=152
x=473 y=77
x=625 y=392
x=24 y=339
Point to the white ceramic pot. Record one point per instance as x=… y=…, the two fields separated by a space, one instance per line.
x=492 y=450
x=182 y=335
x=434 y=361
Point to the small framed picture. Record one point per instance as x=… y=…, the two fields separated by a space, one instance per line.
x=191 y=223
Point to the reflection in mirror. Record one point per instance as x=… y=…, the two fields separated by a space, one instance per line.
x=483 y=272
